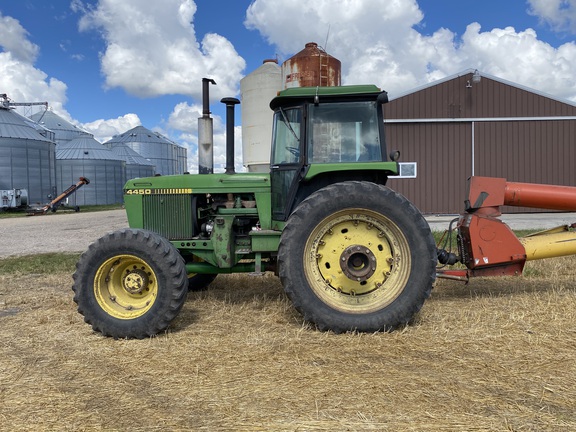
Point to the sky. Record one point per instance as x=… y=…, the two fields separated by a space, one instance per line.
x=108 y=66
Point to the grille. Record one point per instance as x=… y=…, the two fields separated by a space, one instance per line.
x=171 y=216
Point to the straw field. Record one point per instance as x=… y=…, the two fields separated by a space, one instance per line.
x=493 y=355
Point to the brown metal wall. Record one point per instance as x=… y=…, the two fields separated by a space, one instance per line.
x=527 y=151
x=438 y=187
x=537 y=151
x=488 y=98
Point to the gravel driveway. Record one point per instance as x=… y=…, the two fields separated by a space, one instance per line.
x=59 y=232
x=73 y=232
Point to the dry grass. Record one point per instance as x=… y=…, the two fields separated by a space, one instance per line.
x=495 y=355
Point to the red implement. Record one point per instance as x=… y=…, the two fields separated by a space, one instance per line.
x=488 y=247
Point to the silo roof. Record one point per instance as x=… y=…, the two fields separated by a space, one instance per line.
x=128 y=155
x=13 y=125
x=85 y=147
x=54 y=122
x=140 y=134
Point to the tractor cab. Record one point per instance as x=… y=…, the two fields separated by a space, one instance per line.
x=323 y=132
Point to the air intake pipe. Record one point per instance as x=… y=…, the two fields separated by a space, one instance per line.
x=206 y=132
x=230 y=102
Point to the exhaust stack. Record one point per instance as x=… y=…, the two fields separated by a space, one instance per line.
x=230 y=102
x=206 y=132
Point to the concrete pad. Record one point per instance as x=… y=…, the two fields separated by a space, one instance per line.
x=515 y=221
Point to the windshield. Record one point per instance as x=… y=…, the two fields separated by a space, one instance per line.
x=343 y=132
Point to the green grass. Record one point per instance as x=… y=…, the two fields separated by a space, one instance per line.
x=48 y=263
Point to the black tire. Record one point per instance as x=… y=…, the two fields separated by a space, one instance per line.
x=200 y=282
x=130 y=284
x=357 y=256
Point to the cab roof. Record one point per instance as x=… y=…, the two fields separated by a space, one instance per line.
x=308 y=94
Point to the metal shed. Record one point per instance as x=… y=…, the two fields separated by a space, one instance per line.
x=64 y=130
x=167 y=156
x=86 y=157
x=477 y=124
x=27 y=156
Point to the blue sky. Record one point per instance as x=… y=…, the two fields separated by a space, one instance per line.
x=110 y=65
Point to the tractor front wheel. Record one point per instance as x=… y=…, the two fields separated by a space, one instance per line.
x=130 y=284
x=357 y=256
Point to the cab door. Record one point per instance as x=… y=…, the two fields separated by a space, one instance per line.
x=287 y=159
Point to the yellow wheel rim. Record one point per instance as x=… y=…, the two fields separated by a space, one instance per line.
x=125 y=287
x=357 y=261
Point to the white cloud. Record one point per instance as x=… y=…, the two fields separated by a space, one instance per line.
x=352 y=25
x=22 y=82
x=375 y=40
x=378 y=42
x=560 y=15
x=184 y=117
x=14 y=38
x=104 y=130
x=151 y=49
x=19 y=79
x=522 y=58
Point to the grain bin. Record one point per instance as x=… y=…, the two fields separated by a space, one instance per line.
x=257 y=90
x=27 y=156
x=64 y=130
x=311 y=67
x=86 y=157
x=181 y=159
x=136 y=165
x=167 y=156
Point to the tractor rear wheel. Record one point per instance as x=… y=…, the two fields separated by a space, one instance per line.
x=130 y=284
x=357 y=256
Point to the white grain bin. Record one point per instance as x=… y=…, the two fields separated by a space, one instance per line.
x=257 y=90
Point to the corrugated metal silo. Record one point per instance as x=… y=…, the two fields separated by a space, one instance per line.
x=86 y=157
x=182 y=159
x=27 y=156
x=136 y=165
x=257 y=90
x=162 y=152
x=311 y=67
x=63 y=129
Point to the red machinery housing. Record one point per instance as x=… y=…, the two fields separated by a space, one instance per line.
x=488 y=247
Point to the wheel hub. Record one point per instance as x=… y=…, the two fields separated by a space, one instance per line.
x=135 y=281
x=358 y=263
x=356 y=259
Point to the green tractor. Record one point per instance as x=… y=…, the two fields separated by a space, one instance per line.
x=352 y=254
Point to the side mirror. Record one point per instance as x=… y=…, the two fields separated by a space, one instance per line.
x=382 y=97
